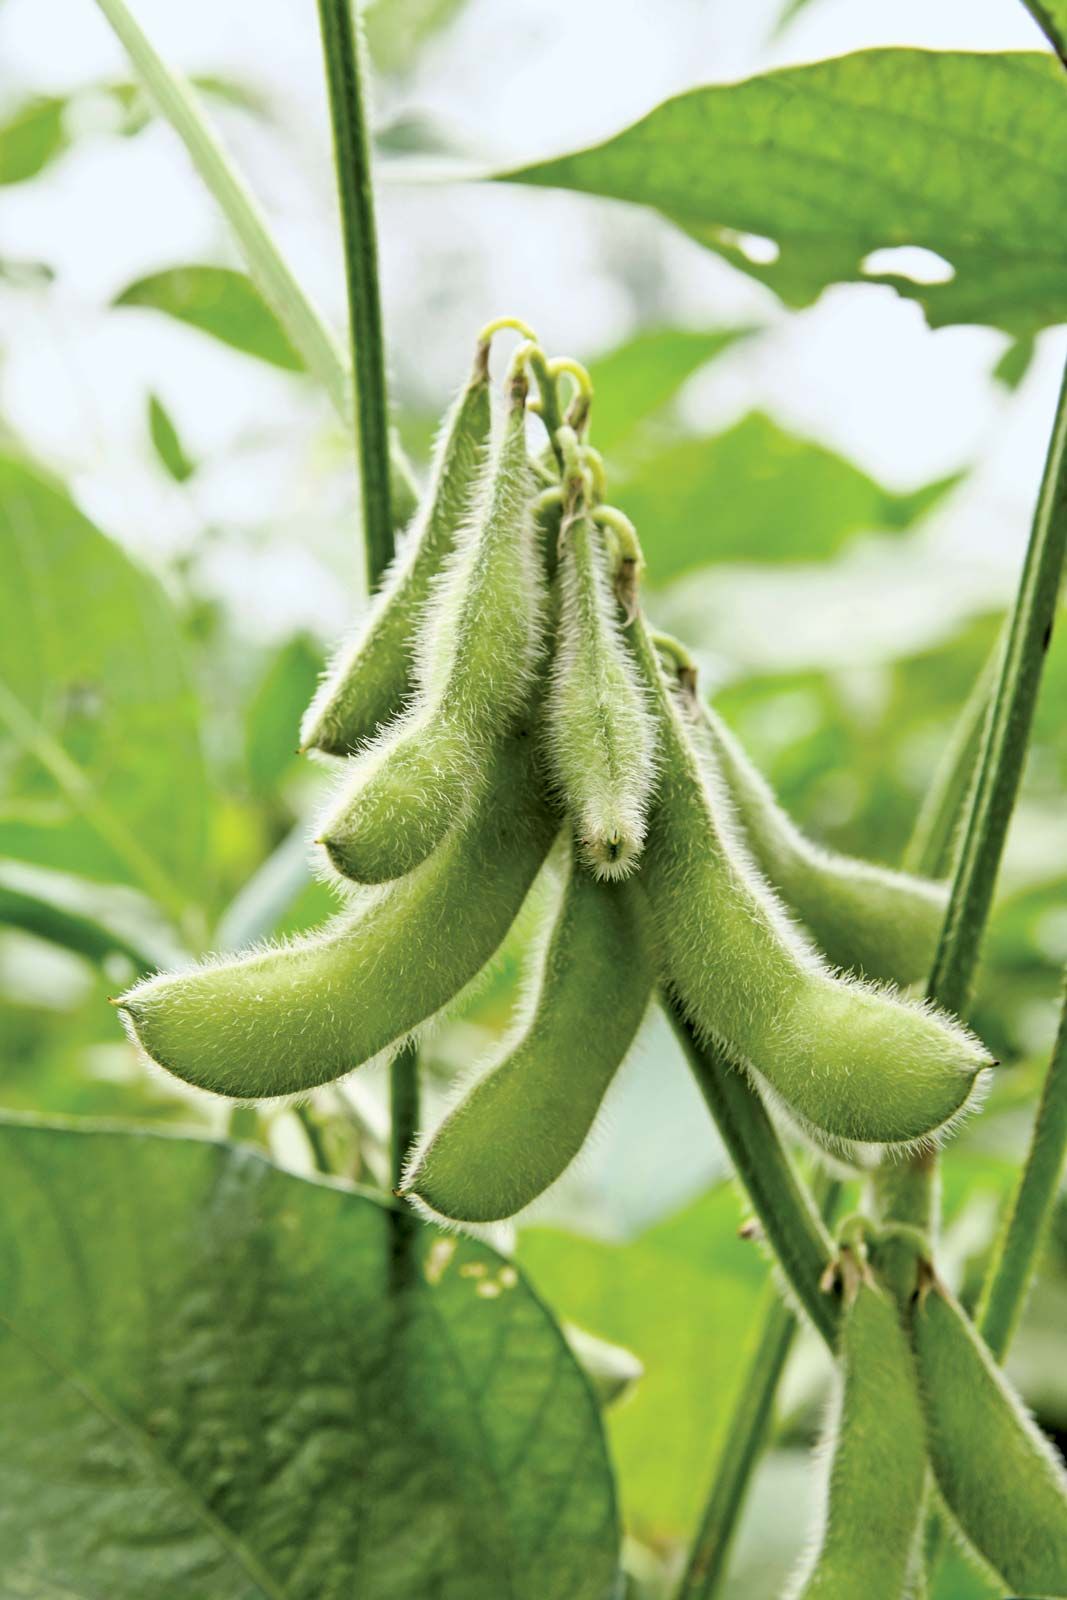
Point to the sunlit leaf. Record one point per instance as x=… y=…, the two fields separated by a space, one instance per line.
x=220 y=302
x=208 y=1389
x=637 y=379
x=756 y=493
x=947 y=151
x=102 y=773
x=167 y=442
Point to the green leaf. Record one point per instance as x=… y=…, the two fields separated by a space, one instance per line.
x=397 y=31
x=94 y=920
x=272 y=722
x=32 y=138
x=101 y=768
x=948 y=151
x=637 y=379
x=218 y=301
x=1051 y=18
x=167 y=442
x=756 y=494
x=207 y=1388
x=682 y=1298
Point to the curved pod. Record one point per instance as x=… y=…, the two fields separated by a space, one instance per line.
x=527 y=1117
x=282 y=1020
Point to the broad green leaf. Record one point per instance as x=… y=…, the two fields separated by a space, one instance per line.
x=681 y=1297
x=756 y=494
x=208 y=1388
x=101 y=771
x=948 y=151
x=1051 y=18
x=637 y=379
x=218 y=301
x=31 y=139
x=167 y=443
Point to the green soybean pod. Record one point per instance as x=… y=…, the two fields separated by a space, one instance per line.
x=878 y=1459
x=478 y=651
x=372 y=675
x=600 y=734
x=527 y=1116
x=281 y=1020
x=863 y=917
x=852 y=1062
x=999 y=1475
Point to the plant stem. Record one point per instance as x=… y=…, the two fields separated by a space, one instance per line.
x=1015 y=1257
x=790 y=1221
x=747 y=1430
x=347 y=96
x=351 y=146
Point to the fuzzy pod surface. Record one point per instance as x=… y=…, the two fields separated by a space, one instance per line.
x=877 y=1462
x=478 y=649
x=372 y=676
x=999 y=1475
x=852 y=1062
x=865 y=918
x=284 y=1019
x=601 y=737
x=527 y=1117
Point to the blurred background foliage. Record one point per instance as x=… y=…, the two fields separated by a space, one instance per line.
x=833 y=503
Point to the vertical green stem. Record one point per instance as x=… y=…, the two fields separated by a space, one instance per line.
x=747 y=1430
x=790 y=1220
x=348 y=115
x=1015 y=1258
x=347 y=96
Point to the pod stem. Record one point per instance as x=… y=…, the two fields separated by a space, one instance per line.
x=791 y=1222
x=749 y=1424
x=1015 y=1256
x=345 y=84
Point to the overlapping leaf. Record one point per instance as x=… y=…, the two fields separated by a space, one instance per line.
x=207 y=1388
x=951 y=151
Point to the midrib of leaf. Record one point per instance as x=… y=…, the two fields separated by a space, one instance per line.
x=268 y=268
x=147 y=1448
x=80 y=790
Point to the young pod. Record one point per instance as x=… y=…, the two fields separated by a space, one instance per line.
x=878 y=1458
x=601 y=737
x=852 y=1062
x=280 y=1020
x=864 y=918
x=999 y=1475
x=478 y=648
x=371 y=678
x=526 y=1118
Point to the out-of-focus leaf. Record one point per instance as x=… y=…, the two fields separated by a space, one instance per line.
x=682 y=1298
x=101 y=772
x=93 y=919
x=32 y=138
x=947 y=151
x=611 y=1370
x=216 y=1340
x=398 y=30
x=638 y=378
x=272 y=723
x=218 y=301
x=756 y=494
x=167 y=442
x=1014 y=364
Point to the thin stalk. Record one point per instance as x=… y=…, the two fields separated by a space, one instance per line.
x=351 y=148
x=747 y=1429
x=1018 y=1248
x=348 y=116
x=309 y=334
x=791 y=1223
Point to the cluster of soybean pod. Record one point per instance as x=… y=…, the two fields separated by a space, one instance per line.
x=503 y=707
